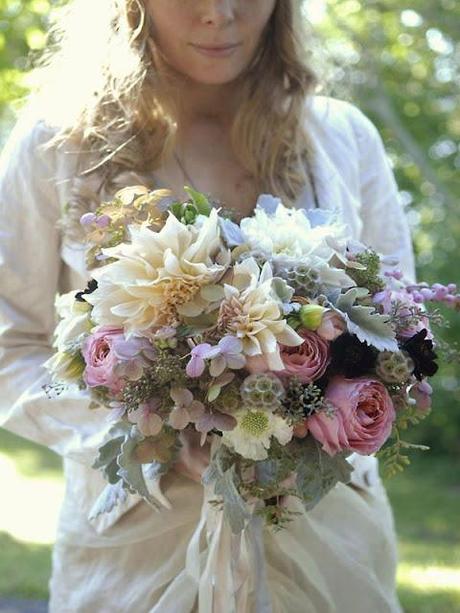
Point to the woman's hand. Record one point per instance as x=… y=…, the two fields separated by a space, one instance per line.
x=193 y=458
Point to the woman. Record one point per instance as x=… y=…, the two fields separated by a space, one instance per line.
x=216 y=94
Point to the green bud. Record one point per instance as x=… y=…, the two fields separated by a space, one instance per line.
x=293 y=321
x=311 y=316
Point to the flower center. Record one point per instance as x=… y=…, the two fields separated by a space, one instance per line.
x=255 y=423
x=230 y=310
x=175 y=293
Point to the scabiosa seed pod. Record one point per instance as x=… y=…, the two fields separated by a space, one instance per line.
x=229 y=399
x=301 y=278
x=394 y=367
x=262 y=391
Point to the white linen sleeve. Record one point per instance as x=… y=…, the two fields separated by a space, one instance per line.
x=29 y=272
x=385 y=226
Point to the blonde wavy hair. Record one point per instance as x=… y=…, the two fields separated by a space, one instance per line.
x=118 y=101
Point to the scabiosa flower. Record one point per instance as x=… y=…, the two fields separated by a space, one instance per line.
x=351 y=357
x=421 y=351
x=252 y=435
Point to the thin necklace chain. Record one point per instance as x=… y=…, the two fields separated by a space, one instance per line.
x=187 y=178
x=184 y=172
x=214 y=201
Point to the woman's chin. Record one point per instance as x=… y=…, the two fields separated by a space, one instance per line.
x=213 y=73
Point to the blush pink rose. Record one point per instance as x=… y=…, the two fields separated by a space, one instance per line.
x=101 y=359
x=362 y=420
x=331 y=326
x=308 y=361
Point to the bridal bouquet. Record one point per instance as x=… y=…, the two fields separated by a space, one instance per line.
x=284 y=342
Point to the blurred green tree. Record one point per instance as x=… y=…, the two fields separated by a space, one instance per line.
x=401 y=64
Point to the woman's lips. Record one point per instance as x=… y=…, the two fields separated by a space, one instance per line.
x=222 y=51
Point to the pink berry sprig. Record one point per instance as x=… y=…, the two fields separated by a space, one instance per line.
x=446 y=294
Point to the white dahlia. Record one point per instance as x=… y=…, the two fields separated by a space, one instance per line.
x=286 y=238
x=66 y=364
x=159 y=276
x=252 y=312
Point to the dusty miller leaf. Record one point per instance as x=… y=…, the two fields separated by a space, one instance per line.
x=155 y=470
x=221 y=471
x=235 y=509
x=130 y=469
x=107 y=459
x=318 y=472
x=110 y=497
x=364 y=322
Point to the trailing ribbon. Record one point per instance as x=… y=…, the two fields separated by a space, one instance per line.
x=230 y=572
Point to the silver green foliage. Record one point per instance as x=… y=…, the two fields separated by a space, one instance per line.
x=318 y=472
x=364 y=322
x=222 y=473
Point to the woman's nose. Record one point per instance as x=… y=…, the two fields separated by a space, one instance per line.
x=218 y=12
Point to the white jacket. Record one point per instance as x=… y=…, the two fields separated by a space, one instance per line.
x=351 y=171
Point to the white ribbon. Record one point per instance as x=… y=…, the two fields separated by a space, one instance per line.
x=230 y=572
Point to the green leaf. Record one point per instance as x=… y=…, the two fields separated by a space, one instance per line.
x=213 y=393
x=130 y=469
x=176 y=209
x=363 y=321
x=199 y=200
x=318 y=472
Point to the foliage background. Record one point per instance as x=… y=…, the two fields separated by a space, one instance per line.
x=400 y=63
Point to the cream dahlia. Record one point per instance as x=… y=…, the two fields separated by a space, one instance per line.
x=252 y=312
x=160 y=276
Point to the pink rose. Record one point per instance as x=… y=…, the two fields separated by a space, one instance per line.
x=308 y=361
x=331 y=326
x=101 y=359
x=362 y=420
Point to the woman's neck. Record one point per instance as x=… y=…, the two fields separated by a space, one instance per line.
x=216 y=104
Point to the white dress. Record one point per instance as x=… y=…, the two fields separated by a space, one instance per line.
x=340 y=557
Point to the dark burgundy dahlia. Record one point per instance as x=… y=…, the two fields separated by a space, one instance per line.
x=351 y=357
x=422 y=353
